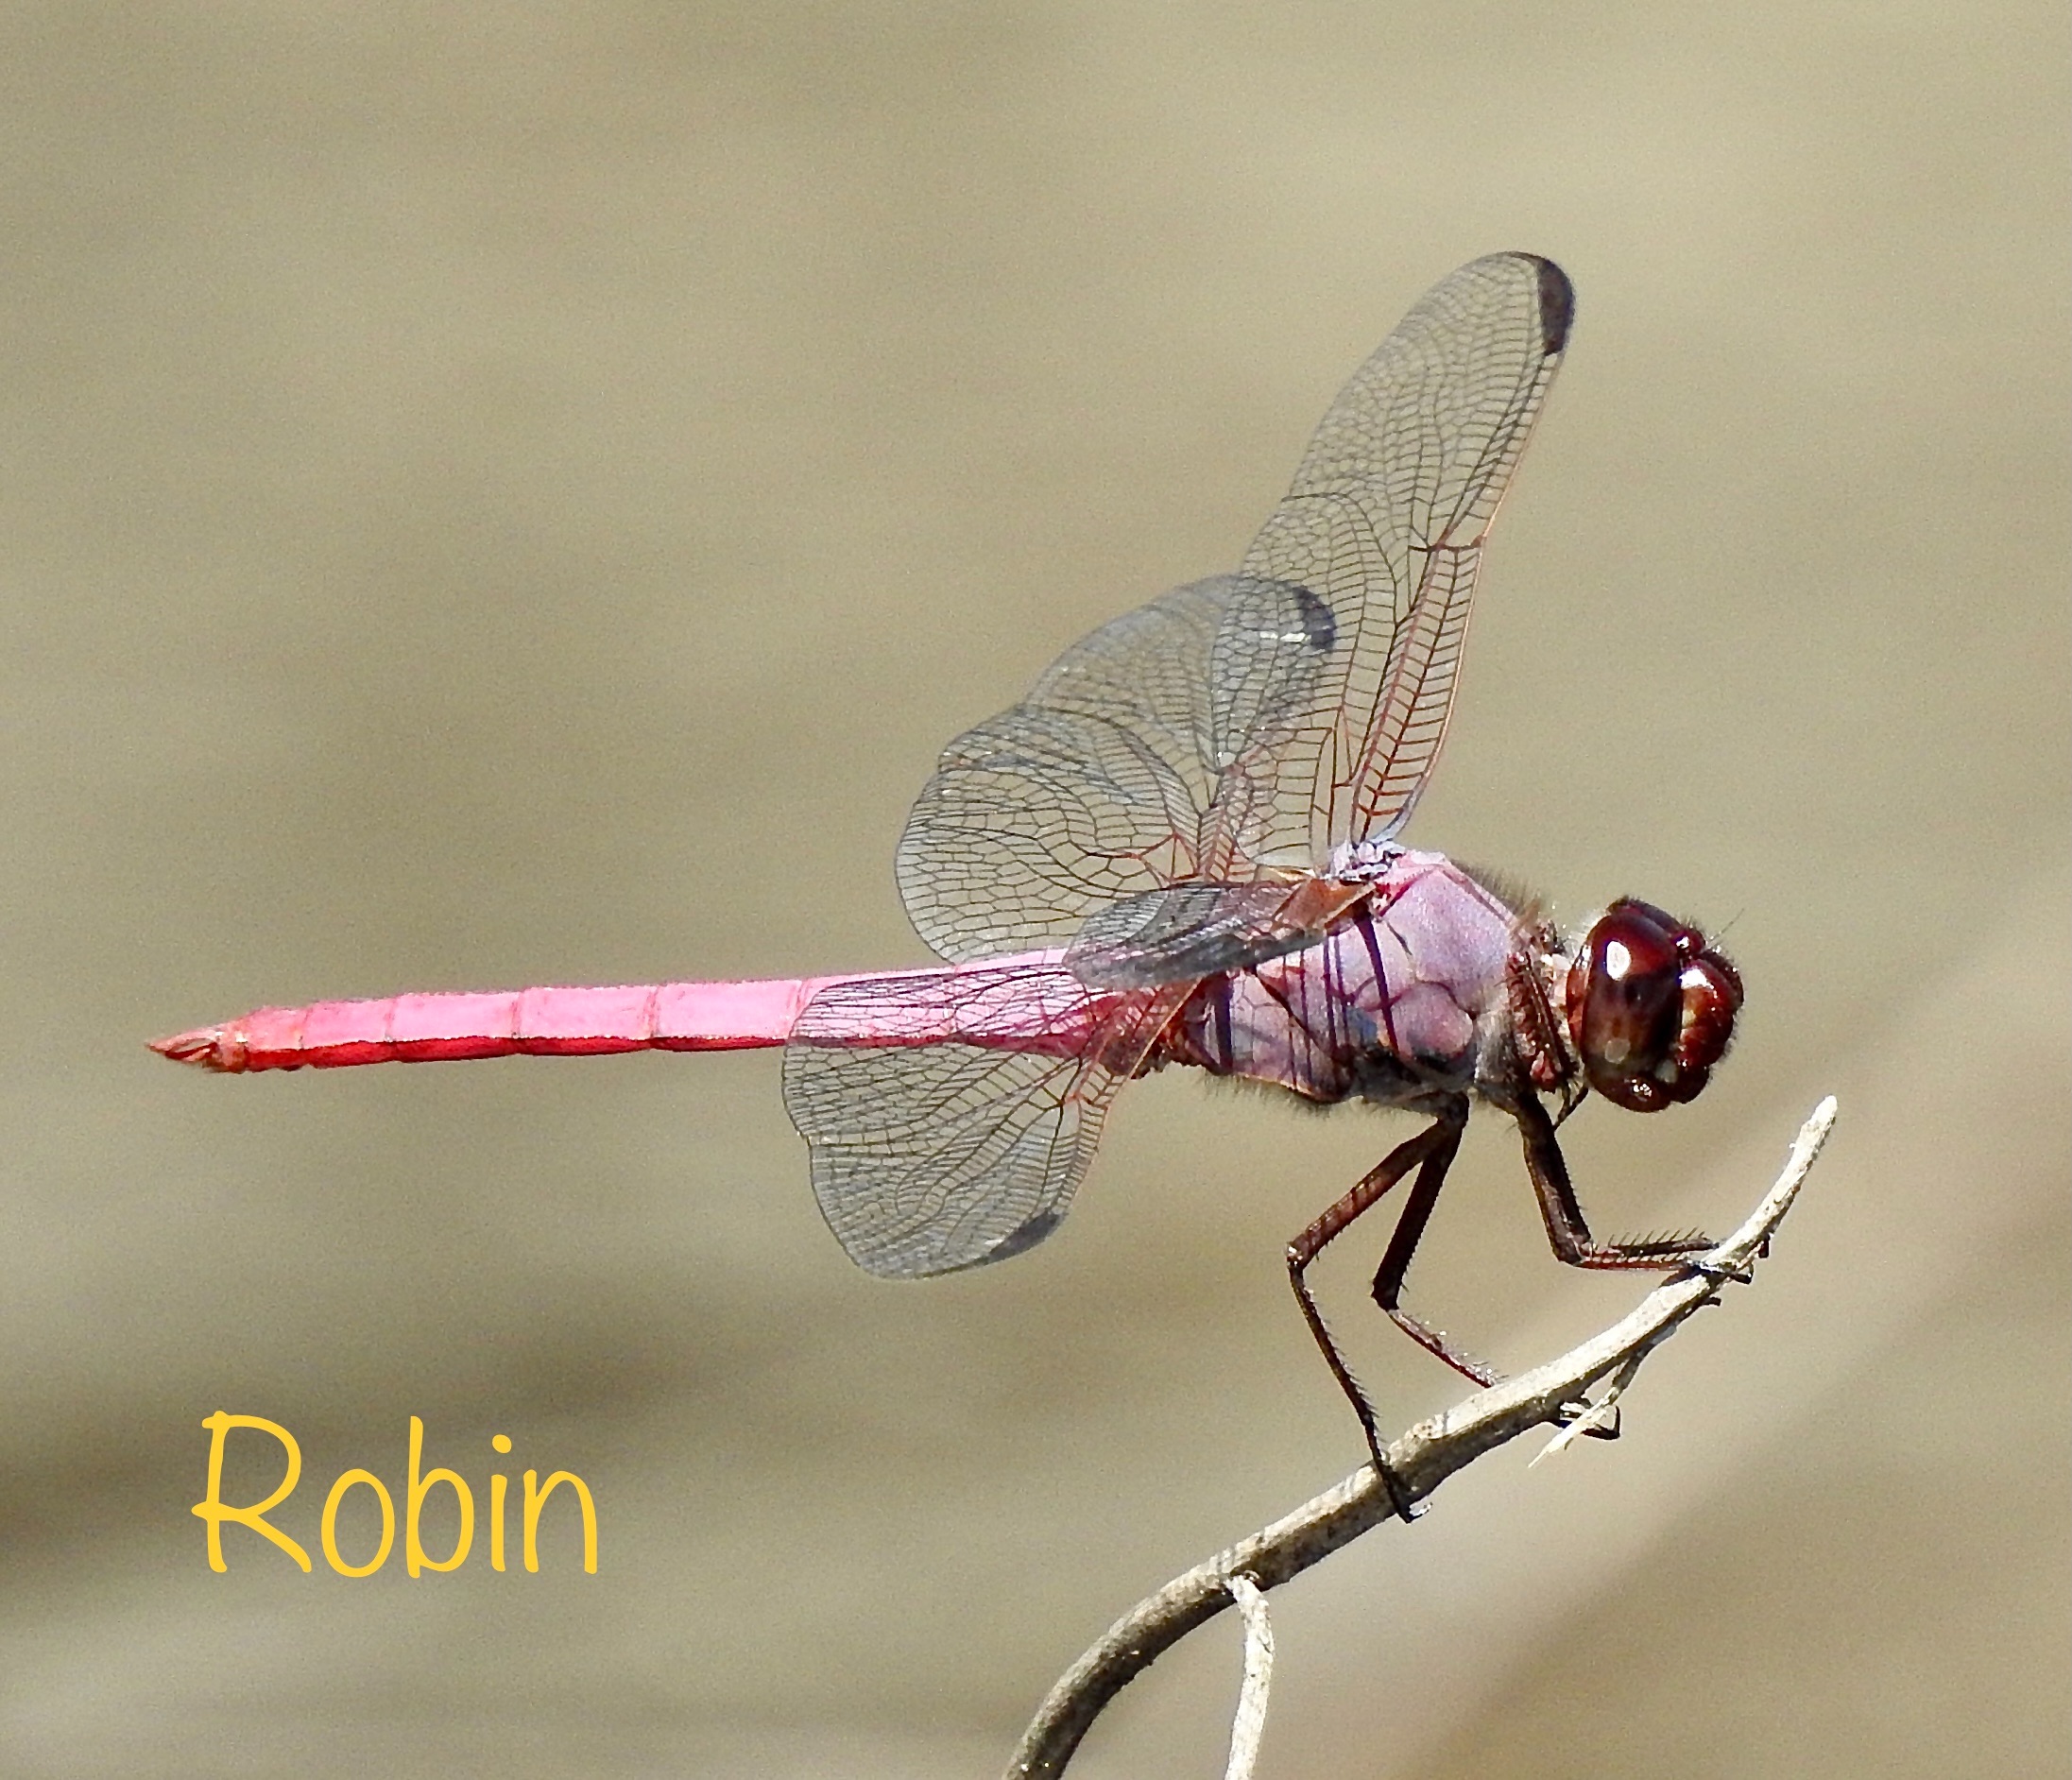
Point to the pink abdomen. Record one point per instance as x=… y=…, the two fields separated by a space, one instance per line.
x=1020 y=1003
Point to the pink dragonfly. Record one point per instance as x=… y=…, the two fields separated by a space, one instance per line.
x=1180 y=849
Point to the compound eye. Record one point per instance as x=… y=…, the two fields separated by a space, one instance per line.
x=1650 y=1007
x=1625 y=1006
x=1711 y=997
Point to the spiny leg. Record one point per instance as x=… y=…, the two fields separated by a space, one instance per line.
x=1566 y=1230
x=1429 y=1152
x=1387 y=1279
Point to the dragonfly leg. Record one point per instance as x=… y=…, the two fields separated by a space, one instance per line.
x=1429 y=1152
x=1387 y=1279
x=1566 y=1230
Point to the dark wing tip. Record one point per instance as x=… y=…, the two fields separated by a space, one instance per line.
x=1557 y=303
x=1021 y=1241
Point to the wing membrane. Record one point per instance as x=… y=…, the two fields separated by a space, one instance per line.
x=1129 y=767
x=1191 y=930
x=1386 y=524
x=938 y=1157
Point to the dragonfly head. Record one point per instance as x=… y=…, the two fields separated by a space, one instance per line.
x=1650 y=1006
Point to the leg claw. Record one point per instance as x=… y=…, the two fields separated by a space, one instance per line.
x=1399 y=1497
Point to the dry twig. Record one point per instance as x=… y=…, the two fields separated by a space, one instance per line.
x=1422 y=1459
x=1248 y=1723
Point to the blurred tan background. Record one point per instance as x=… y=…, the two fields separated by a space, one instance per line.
x=504 y=494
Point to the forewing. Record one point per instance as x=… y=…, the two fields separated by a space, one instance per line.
x=1129 y=767
x=932 y=1158
x=1192 y=931
x=1386 y=525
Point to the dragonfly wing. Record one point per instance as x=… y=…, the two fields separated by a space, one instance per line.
x=1239 y=725
x=932 y=1158
x=1126 y=769
x=1195 y=930
x=1385 y=526
x=948 y=1157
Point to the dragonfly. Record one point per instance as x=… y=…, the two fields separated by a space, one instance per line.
x=1181 y=850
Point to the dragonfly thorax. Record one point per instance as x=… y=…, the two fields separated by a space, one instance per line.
x=1406 y=998
x=1362 y=861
